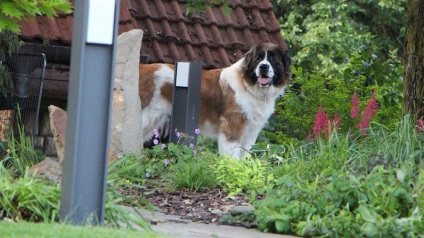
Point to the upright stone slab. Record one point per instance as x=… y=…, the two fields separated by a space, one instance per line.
x=51 y=168
x=127 y=136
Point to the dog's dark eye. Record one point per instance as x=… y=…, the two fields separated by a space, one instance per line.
x=258 y=59
x=271 y=58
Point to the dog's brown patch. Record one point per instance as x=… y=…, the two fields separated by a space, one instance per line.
x=212 y=103
x=233 y=120
x=167 y=92
x=146 y=86
x=218 y=106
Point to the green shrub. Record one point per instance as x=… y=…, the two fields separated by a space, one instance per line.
x=321 y=34
x=117 y=215
x=249 y=175
x=28 y=198
x=296 y=111
x=349 y=186
x=195 y=174
x=340 y=204
x=21 y=154
x=306 y=160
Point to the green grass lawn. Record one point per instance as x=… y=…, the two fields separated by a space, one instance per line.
x=47 y=230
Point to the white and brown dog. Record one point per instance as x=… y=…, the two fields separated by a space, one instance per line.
x=235 y=102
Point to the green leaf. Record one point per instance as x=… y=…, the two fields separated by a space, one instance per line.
x=282 y=224
x=10 y=9
x=368 y=214
x=400 y=174
x=226 y=8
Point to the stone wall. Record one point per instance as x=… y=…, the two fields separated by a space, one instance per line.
x=126 y=134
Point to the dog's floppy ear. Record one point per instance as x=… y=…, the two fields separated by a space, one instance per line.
x=250 y=56
x=286 y=62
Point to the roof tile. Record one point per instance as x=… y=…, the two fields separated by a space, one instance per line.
x=212 y=37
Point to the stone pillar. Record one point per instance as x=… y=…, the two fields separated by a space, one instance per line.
x=127 y=136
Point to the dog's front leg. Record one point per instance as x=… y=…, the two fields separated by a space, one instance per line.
x=230 y=134
x=228 y=147
x=250 y=134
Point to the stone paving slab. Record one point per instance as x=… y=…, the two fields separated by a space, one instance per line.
x=179 y=228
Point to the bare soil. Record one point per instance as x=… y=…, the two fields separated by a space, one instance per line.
x=204 y=206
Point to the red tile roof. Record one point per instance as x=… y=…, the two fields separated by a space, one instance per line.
x=213 y=38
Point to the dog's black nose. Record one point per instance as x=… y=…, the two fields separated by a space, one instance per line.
x=264 y=68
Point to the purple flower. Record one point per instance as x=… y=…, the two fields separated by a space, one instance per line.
x=178 y=134
x=156 y=133
x=155 y=141
x=163 y=146
x=166 y=162
x=192 y=146
x=197 y=131
x=147 y=175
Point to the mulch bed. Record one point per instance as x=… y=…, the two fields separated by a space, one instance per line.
x=205 y=206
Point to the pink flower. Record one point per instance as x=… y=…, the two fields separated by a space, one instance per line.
x=321 y=122
x=354 y=110
x=309 y=137
x=420 y=125
x=155 y=141
x=337 y=121
x=369 y=112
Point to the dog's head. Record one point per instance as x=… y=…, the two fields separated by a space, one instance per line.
x=267 y=65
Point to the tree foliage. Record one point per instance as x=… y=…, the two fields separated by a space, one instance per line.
x=11 y=11
x=321 y=34
x=339 y=47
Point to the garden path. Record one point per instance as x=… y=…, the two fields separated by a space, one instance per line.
x=176 y=227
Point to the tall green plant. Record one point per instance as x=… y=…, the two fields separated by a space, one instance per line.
x=27 y=198
x=295 y=112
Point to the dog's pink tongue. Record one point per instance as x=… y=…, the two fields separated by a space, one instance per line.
x=263 y=80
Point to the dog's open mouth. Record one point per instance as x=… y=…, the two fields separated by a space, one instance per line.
x=264 y=81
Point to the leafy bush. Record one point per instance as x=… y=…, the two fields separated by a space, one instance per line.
x=195 y=174
x=347 y=186
x=340 y=204
x=158 y=159
x=249 y=175
x=177 y=165
x=28 y=198
x=295 y=112
x=322 y=34
x=338 y=48
x=21 y=154
x=115 y=214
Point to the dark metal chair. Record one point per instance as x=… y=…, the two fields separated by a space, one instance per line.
x=27 y=74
